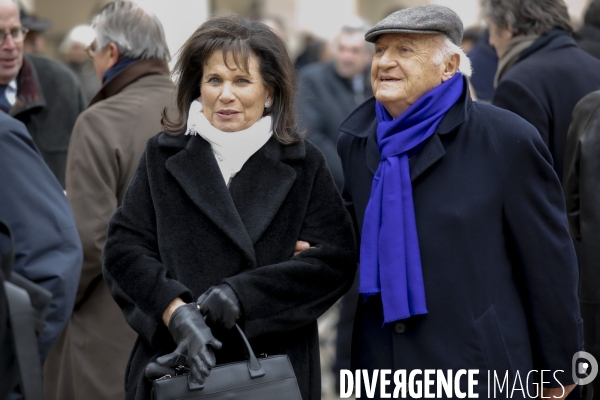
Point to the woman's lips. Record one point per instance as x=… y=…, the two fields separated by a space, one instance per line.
x=227 y=114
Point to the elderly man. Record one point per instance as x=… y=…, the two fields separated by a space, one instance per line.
x=129 y=55
x=41 y=93
x=465 y=258
x=327 y=92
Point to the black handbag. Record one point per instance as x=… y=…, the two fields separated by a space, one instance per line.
x=270 y=378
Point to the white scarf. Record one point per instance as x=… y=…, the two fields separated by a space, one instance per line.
x=231 y=149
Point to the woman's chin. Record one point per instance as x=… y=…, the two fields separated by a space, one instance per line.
x=228 y=126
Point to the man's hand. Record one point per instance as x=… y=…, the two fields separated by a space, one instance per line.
x=300 y=247
x=557 y=393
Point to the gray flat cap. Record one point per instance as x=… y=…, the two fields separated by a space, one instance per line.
x=430 y=19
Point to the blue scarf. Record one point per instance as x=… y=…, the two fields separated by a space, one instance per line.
x=390 y=261
x=118 y=67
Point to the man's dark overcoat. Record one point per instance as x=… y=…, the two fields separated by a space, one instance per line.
x=549 y=78
x=582 y=194
x=180 y=231
x=499 y=268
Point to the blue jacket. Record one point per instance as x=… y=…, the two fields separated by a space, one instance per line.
x=47 y=246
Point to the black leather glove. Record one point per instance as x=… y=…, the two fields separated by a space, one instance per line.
x=194 y=341
x=221 y=305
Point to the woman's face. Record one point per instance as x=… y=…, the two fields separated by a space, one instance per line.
x=233 y=99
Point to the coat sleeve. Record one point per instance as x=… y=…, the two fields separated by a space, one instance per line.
x=515 y=97
x=585 y=114
x=47 y=247
x=91 y=183
x=545 y=264
x=132 y=266
x=289 y=295
x=311 y=115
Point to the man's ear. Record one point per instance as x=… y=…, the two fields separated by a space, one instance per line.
x=114 y=55
x=451 y=65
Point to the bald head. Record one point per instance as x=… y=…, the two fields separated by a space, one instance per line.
x=11 y=52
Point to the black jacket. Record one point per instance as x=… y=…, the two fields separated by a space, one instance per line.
x=324 y=99
x=498 y=264
x=49 y=99
x=551 y=76
x=180 y=230
x=582 y=193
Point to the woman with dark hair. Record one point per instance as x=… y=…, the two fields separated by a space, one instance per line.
x=542 y=73
x=211 y=219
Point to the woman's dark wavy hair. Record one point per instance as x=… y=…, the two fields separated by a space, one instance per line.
x=528 y=16
x=241 y=37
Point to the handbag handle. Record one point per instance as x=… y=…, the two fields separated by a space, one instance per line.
x=155 y=370
x=254 y=366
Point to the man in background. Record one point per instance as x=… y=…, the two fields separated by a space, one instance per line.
x=327 y=92
x=41 y=93
x=542 y=73
x=130 y=57
x=35 y=41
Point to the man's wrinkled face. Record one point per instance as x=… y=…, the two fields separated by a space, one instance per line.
x=351 y=54
x=403 y=70
x=11 y=53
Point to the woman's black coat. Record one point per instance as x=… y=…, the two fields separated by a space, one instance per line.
x=499 y=268
x=180 y=231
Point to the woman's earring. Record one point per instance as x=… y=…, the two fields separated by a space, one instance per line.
x=267 y=104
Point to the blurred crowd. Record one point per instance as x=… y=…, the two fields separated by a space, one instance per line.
x=78 y=127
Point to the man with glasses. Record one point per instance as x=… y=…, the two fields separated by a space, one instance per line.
x=41 y=93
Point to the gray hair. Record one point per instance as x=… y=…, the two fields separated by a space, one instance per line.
x=448 y=48
x=136 y=32
x=528 y=17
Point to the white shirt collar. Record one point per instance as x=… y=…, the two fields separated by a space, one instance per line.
x=11 y=92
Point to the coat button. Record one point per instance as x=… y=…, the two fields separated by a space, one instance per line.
x=400 y=327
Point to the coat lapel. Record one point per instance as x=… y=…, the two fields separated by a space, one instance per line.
x=432 y=151
x=261 y=187
x=429 y=155
x=196 y=170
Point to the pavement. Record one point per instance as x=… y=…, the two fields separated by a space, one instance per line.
x=327 y=334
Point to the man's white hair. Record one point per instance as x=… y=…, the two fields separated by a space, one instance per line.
x=137 y=32
x=447 y=49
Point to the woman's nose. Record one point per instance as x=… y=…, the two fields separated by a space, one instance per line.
x=226 y=94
